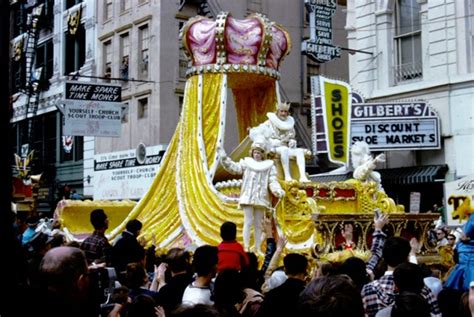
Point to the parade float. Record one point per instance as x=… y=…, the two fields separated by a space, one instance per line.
x=191 y=195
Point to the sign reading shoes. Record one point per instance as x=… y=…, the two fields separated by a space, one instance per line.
x=92 y=109
x=396 y=126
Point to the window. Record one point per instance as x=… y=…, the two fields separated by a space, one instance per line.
x=107 y=62
x=18 y=75
x=124 y=112
x=124 y=5
x=44 y=59
x=144 y=52
x=142 y=108
x=77 y=151
x=71 y=3
x=180 y=103
x=408 y=63
x=71 y=148
x=47 y=19
x=19 y=21
x=108 y=9
x=124 y=55
x=75 y=50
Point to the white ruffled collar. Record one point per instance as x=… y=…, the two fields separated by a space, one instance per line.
x=288 y=124
x=258 y=165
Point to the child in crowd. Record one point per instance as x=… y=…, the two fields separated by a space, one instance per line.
x=230 y=252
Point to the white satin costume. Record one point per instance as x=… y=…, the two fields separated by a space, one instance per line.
x=258 y=178
x=280 y=136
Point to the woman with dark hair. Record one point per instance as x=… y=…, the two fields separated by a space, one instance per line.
x=355 y=268
x=227 y=293
x=334 y=295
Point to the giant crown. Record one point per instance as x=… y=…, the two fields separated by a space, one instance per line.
x=253 y=45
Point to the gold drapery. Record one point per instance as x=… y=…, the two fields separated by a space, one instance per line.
x=182 y=196
x=252 y=101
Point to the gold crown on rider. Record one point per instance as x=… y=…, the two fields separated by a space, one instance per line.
x=283 y=106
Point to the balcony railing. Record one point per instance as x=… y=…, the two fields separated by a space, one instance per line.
x=407 y=72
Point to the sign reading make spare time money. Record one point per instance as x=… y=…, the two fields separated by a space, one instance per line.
x=119 y=175
x=92 y=109
x=396 y=126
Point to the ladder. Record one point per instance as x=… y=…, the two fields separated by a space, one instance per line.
x=32 y=76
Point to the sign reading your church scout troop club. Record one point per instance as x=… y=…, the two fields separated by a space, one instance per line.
x=121 y=175
x=92 y=109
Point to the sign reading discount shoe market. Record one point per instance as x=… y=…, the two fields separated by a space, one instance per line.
x=396 y=126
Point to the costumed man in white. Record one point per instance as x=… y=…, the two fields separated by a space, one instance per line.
x=259 y=176
x=279 y=131
x=364 y=164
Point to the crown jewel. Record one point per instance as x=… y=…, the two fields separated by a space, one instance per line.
x=252 y=45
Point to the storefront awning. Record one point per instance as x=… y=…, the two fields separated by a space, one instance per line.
x=413 y=175
x=331 y=177
x=395 y=176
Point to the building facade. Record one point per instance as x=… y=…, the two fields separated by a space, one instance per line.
x=133 y=43
x=138 y=47
x=421 y=50
x=52 y=41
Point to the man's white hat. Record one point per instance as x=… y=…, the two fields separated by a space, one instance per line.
x=283 y=106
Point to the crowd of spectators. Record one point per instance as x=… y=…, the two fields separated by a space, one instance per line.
x=96 y=277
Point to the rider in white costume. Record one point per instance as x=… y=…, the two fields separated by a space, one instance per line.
x=279 y=132
x=259 y=176
x=364 y=164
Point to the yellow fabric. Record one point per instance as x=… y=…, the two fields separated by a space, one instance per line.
x=183 y=171
x=252 y=105
x=204 y=209
x=158 y=209
x=74 y=214
x=211 y=99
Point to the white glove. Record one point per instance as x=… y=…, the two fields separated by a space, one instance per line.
x=292 y=144
x=280 y=193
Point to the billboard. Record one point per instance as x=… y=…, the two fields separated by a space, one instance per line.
x=336 y=105
x=459 y=200
x=319 y=46
x=120 y=175
x=92 y=109
x=396 y=126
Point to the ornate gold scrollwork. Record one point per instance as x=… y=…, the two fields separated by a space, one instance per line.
x=294 y=213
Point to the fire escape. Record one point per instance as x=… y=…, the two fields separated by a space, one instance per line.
x=32 y=75
x=30 y=87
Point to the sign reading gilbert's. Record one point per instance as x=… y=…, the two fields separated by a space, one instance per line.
x=396 y=126
x=336 y=112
